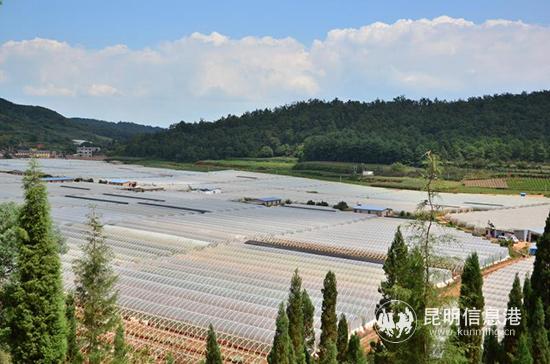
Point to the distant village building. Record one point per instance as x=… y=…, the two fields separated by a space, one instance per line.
x=34 y=153
x=87 y=152
x=368 y=173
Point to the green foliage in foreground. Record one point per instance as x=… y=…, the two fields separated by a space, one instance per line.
x=295 y=315
x=471 y=297
x=329 y=320
x=541 y=271
x=35 y=304
x=95 y=293
x=281 y=350
x=213 y=354
x=9 y=213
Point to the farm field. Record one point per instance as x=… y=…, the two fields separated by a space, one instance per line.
x=399 y=177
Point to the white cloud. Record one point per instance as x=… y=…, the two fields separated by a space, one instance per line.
x=212 y=74
x=47 y=90
x=102 y=90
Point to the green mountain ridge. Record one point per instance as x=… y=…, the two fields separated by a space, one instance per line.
x=496 y=128
x=27 y=126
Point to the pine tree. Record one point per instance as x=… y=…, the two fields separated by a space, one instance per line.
x=309 y=330
x=510 y=341
x=35 y=303
x=471 y=298
x=281 y=350
x=523 y=355
x=295 y=315
x=342 y=341
x=491 y=347
x=213 y=353
x=73 y=351
x=95 y=292
x=539 y=339
x=120 y=350
x=541 y=272
x=330 y=354
x=356 y=355
x=329 y=330
x=395 y=267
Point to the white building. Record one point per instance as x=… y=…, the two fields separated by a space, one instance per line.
x=87 y=152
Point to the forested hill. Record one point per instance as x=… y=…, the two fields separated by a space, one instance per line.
x=501 y=127
x=27 y=126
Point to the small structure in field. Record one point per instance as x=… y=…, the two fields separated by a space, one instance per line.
x=372 y=209
x=57 y=179
x=266 y=201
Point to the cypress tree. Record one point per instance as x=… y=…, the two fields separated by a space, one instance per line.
x=213 y=353
x=309 y=330
x=95 y=292
x=529 y=299
x=120 y=351
x=281 y=350
x=295 y=315
x=329 y=321
x=395 y=267
x=342 y=341
x=538 y=335
x=330 y=354
x=541 y=272
x=491 y=347
x=523 y=356
x=73 y=351
x=417 y=348
x=356 y=355
x=35 y=303
x=510 y=341
x=471 y=297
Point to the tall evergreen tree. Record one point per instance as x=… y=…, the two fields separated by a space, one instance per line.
x=309 y=330
x=356 y=355
x=471 y=298
x=541 y=272
x=95 y=292
x=330 y=354
x=35 y=303
x=329 y=321
x=120 y=348
x=281 y=350
x=529 y=299
x=417 y=348
x=73 y=350
x=510 y=341
x=213 y=353
x=491 y=347
x=523 y=355
x=540 y=349
x=295 y=315
x=395 y=267
x=342 y=341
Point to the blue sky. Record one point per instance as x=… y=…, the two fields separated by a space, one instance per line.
x=101 y=23
x=162 y=61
